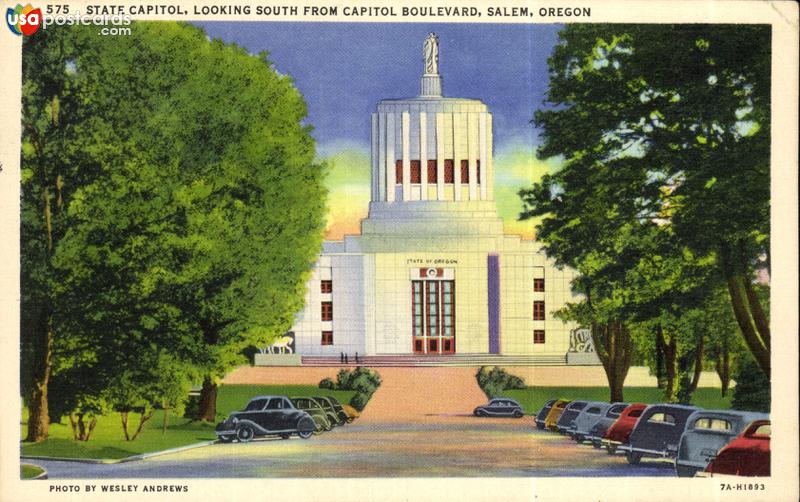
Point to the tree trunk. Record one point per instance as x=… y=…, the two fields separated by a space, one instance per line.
x=670 y=353
x=144 y=417
x=91 y=428
x=723 y=367
x=753 y=323
x=208 y=401
x=698 y=364
x=38 y=413
x=613 y=345
x=74 y=426
x=123 y=415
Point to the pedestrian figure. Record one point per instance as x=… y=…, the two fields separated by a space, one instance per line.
x=345 y=358
x=341 y=357
x=356 y=357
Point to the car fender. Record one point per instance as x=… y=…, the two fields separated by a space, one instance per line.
x=255 y=426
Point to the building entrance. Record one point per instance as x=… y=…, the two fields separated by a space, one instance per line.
x=433 y=317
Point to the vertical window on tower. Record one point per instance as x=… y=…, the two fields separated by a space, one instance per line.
x=449 y=171
x=464 y=171
x=326 y=286
x=416 y=172
x=538 y=336
x=538 y=285
x=538 y=311
x=478 y=169
x=327 y=338
x=398 y=171
x=327 y=311
x=432 y=174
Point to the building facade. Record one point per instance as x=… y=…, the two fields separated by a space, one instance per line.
x=432 y=272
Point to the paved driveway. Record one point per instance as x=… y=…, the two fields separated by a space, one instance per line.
x=459 y=446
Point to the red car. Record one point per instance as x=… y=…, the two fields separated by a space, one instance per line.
x=620 y=430
x=747 y=455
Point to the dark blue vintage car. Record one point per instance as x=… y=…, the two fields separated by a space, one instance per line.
x=657 y=432
x=264 y=416
x=500 y=407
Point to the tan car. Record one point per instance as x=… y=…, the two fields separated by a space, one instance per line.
x=555 y=413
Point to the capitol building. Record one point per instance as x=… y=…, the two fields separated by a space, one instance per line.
x=432 y=273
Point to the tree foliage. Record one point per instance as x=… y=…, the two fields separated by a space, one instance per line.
x=171 y=211
x=664 y=190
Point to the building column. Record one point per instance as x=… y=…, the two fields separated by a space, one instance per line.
x=482 y=155
x=440 y=156
x=390 y=157
x=406 y=147
x=489 y=162
x=472 y=151
x=423 y=156
x=382 y=193
x=458 y=130
x=375 y=141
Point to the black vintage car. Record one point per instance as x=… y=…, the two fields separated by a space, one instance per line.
x=335 y=411
x=499 y=407
x=263 y=416
x=657 y=432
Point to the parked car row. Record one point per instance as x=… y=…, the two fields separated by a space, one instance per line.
x=700 y=442
x=283 y=416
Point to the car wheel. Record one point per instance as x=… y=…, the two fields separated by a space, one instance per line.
x=245 y=433
x=611 y=449
x=578 y=438
x=304 y=434
x=350 y=420
x=285 y=436
x=633 y=457
x=480 y=413
x=518 y=414
x=596 y=444
x=539 y=426
x=328 y=425
x=226 y=438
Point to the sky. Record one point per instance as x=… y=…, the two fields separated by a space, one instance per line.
x=344 y=69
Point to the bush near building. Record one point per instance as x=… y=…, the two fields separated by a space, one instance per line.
x=752 y=391
x=363 y=381
x=493 y=382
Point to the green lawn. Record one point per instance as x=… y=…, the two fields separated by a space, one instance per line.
x=28 y=471
x=107 y=440
x=533 y=398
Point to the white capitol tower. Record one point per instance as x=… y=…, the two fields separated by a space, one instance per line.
x=432 y=275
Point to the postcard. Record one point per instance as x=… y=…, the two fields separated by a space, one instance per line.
x=356 y=251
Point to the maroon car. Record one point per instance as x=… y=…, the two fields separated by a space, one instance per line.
x=747 y=455
x=620 y=430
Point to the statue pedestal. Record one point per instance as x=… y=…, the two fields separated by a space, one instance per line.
x=277 y=359
x=583 y=359
x=431 y=85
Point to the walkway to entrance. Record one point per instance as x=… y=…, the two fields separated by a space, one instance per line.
x=423 y=395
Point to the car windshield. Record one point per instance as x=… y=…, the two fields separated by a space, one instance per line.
x=302 y=403
x=593 y=411
x=256 y=405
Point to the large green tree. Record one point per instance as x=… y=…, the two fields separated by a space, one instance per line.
x=663 y=128
x=171 y=211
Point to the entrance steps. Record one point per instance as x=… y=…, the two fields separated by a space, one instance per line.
x=402 y=360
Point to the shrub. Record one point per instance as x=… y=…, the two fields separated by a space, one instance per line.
x=343 y=380
x=493 y=382
x=752 y=391
x=327 y=383
x=359 y=401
